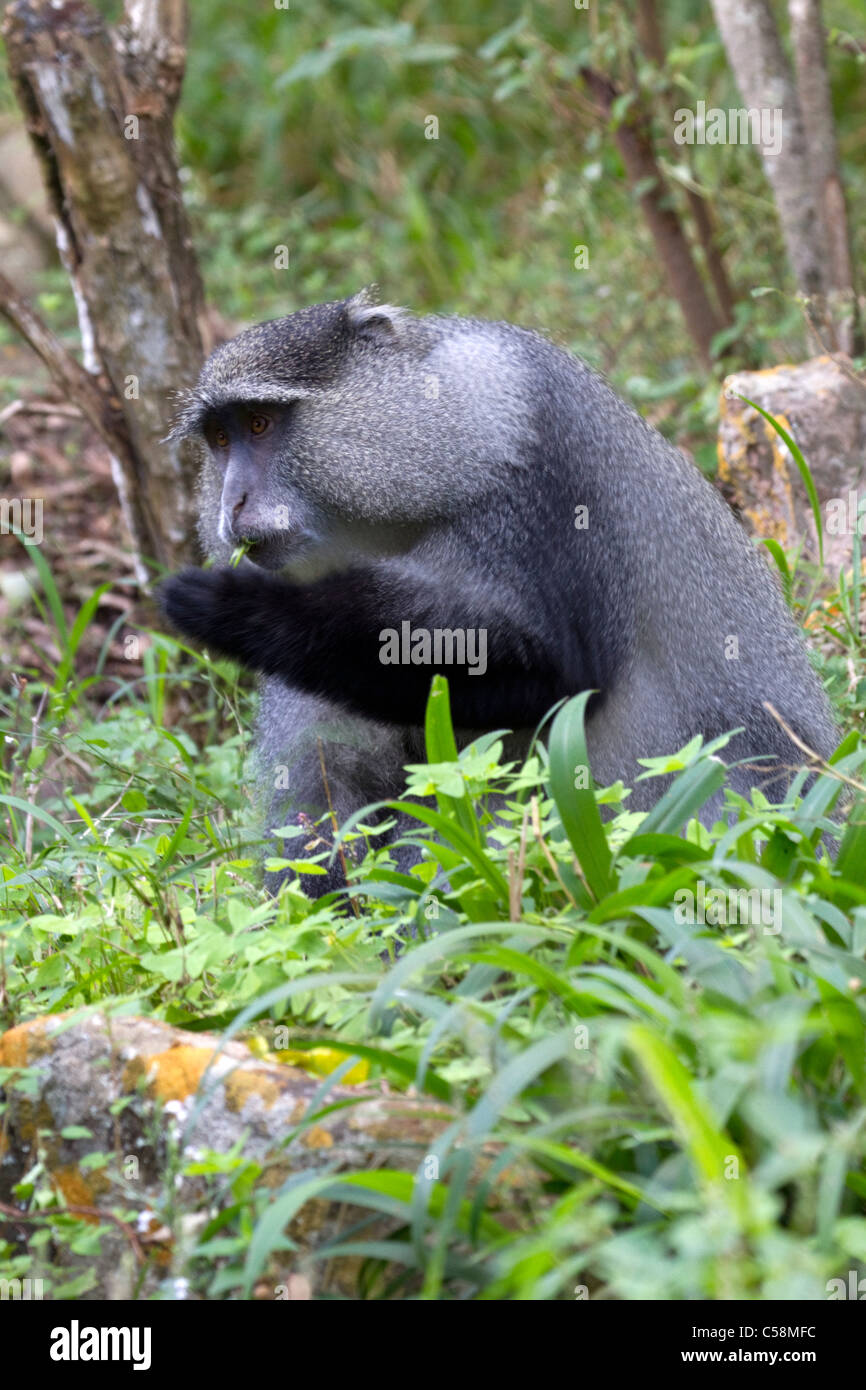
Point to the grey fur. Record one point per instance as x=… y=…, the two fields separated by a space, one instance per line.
x=461 y=448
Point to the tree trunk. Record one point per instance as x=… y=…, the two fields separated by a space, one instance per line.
x=764 y=77
x=99 y=107
x=807 y=33
x=671 y=242
x=651 y=39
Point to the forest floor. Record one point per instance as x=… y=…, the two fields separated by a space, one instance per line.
x=48 y=453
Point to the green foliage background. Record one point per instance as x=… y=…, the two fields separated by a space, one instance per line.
x=684 y=1104
x=306 y=127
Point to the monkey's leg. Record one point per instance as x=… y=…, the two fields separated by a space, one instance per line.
x=316 y=765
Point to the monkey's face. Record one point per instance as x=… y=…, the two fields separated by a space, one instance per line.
x=248 y=444
x=257 y=450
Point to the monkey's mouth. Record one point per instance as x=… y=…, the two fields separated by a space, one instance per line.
x=274 y=551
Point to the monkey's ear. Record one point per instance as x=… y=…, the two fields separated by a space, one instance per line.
x=188 y=416
x=377 y=322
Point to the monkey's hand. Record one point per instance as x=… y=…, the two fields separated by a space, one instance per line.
x=223 y=609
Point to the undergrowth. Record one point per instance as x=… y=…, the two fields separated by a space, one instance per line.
x=651 y=1042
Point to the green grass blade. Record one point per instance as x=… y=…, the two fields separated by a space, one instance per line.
x=804 y=469
x=577 y=806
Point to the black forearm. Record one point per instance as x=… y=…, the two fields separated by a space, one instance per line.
x=326 y=638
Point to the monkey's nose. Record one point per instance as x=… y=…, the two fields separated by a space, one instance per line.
x=238 y=507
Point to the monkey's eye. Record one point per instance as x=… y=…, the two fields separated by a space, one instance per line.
x=258 y=424
x=220 y=439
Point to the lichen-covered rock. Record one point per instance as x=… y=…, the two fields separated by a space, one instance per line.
x=85 y=1085
x=822 y=405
